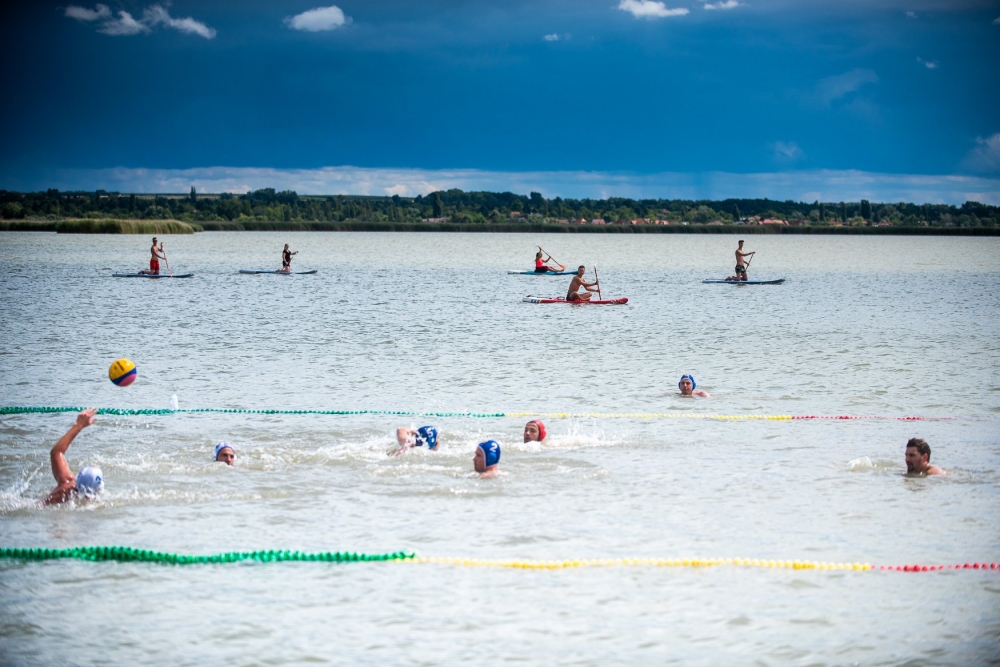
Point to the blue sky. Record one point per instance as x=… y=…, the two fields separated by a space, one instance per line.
x=788 y=99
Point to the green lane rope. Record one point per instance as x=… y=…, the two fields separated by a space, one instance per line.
x=23 y=410
x=132 y=555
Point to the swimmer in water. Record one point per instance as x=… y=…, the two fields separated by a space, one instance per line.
x=687 y=385
x=89 y=482
x=225 y=453
x=487 y=459
x=918 y=458
x=573 y=294
x=542 y=267
x=534 y=431
x=425 y=436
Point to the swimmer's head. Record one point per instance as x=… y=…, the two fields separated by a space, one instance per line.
x=534 y=431
x=427 y=436
x=224 y=452
x=918 y=455
x=90 y=481
x=687 y=384
x=487 y=455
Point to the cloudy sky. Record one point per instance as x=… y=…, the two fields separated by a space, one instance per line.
x=801 y=99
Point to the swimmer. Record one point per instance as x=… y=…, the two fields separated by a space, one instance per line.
x=89 y=482
x=542 y=267
x=534 y=431
x=741 y=268
x=573 y=294
x=687 y=385
x=286 y=259
x=225 y=453
x=918 y=458
x=425 y=436
x=487 y=459
x=154 y=260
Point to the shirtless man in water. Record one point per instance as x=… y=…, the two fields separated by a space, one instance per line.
x=918 y=458
x=573 y=293
x=741 y=266
x=89 y=481
x=154 y=260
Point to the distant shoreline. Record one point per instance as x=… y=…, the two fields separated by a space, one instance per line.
x=112 y=226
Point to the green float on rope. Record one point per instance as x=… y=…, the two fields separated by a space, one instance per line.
x=132 y=555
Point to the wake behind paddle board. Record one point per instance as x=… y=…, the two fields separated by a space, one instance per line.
x=281 y=273
x=745 y=282
x=593 y=302
x=547 y=273
x=151 y=275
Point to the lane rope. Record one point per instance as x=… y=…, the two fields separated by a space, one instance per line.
x=24 y=410
x=132 y=555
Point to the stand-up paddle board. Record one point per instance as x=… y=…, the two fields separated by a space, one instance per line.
x=151 y=275
x=282 y=273
x=745 y=282
x=593 y=302
x=547 y=273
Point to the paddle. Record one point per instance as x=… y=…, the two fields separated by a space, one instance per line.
x=165 y=260
x=598 y=281
x=748 y=264
x=562 y=267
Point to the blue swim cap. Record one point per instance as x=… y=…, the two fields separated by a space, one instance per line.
x=427 y=435
x=219 y=447
x=491 y=452
x=694 y=385
x=90 y=481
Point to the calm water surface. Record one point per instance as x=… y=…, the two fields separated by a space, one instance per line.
x=430 y=322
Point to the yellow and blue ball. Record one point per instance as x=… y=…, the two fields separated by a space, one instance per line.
x=122 y=372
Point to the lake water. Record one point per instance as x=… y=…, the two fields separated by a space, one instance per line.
x=889 y=326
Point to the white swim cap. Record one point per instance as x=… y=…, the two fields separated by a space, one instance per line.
x=90 y=481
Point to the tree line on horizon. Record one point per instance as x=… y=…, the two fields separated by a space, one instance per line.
x=477 y=208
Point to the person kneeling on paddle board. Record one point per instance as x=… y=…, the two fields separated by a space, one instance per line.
x=534 y=431
x=687 y=385
x=487 y=459
x=90 y=480
x=573 y=294
x=224 y=453
x=286 y=259
x=425 y=436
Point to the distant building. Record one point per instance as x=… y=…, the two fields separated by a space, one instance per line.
x=715 y=223
x=435 y=219
x=598 y=221
x=773 y=221
x=516 y=214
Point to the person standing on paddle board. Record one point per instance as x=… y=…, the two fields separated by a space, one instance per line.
x=89 y=481
x=154 y=260
x=741 y=268
x=573 y=293
x=286 y=259
x=542 y=267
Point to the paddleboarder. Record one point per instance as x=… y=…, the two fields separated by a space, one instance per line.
x=286 y=259
x=541 y=265
x=918 y=458
x=741 y=267
x=154 y=260
x=573 y=293
x=89 y=481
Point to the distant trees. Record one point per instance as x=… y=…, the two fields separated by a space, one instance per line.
x=866 y=209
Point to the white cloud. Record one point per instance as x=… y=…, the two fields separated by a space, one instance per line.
x=835 y=87
x=799 y=185
x=996 y=21
x=722 y=4
x=158 y=14
x=649 y=9
x=318 y=20
x=123 y=25
x=551 y=38
x=126 y=24
x=911 y=15
x=787 y=152
x=929 y=64
x=84 y=14
x=986 y=156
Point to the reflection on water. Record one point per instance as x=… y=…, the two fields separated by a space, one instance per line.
x=872 y=326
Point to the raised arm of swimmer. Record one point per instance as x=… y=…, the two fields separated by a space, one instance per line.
x=65 y=480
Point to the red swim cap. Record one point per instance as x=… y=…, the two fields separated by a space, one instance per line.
x=541 y=428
